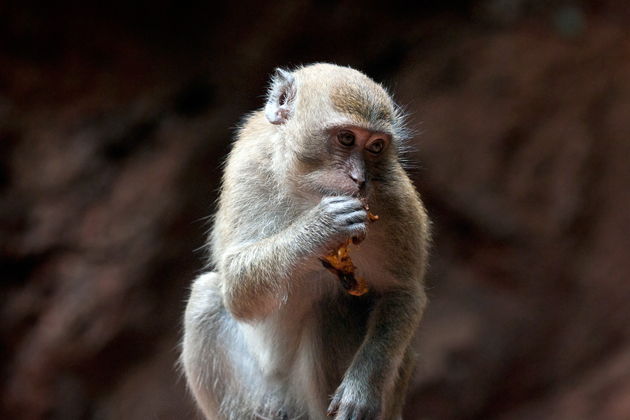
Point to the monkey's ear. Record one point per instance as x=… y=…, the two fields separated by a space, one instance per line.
x=281 y=97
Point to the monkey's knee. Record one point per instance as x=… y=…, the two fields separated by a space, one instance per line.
x=201 y=324
x=198 y=317
x=201 y=320
x=204 y=299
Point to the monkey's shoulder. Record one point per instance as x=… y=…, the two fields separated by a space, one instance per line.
x=399 y=240
x=400 y=205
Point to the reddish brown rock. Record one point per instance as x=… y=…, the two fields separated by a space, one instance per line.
x=113 y=124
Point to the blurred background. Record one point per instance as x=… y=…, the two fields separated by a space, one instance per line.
x=115 y=118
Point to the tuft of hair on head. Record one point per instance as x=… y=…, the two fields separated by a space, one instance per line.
x=403 y=135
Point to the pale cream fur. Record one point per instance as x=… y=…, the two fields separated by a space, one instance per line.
x=269 y=333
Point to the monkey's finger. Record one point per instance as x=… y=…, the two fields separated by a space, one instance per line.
x=347 y=412
x=358 y=231
x=359 y=216
x=333 y=407
x=332 y=199
x=346 y=205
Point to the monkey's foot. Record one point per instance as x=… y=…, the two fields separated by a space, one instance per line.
x=348 y=404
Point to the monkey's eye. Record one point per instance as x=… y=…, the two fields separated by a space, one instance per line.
x=346 y=138
x=376 y=146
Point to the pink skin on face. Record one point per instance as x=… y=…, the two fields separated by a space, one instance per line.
x=351 y=152
x=359 y=144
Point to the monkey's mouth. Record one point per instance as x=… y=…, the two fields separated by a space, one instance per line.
x=331 y=183
x=343 y=188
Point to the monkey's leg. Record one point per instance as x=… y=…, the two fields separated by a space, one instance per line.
x=202 y=356
x=220 y=370
x=376 y=368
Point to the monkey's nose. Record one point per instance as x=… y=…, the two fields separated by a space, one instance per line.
x=359 y=180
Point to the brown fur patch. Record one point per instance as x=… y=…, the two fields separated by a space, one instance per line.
x=370 y=105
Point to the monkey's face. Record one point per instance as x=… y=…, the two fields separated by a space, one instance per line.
x=345 y=160
x=339 y=125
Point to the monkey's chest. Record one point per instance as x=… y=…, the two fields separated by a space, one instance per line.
x=323 y=333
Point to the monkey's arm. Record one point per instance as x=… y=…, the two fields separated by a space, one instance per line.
x=256 y=275
x=379 y=360
x=368 y=384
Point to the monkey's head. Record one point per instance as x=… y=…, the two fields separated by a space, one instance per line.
x=342 y=130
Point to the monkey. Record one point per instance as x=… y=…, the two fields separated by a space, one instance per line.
x=269 y=333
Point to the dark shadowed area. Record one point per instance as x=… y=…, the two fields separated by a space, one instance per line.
x=114 y=121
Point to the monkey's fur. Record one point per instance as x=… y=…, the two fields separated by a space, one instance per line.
x=271 y=334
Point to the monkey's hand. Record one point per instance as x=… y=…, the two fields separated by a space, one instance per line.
x=340 y=218
x=355 y=400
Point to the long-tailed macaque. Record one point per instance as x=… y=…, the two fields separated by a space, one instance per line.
x=270 y=333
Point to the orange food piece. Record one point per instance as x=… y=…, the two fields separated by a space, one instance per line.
x=340 y=264
x=372 y=217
